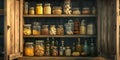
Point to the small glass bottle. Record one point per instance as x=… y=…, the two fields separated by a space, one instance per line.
x=85 y=48
x=68 y=51
x=47 y=8
x=31 y=11
x=78 y=46
x=39 y=9
x=55 y=51
x=61 y=51
x=39 y=48
x=29 y=49
x=26 y=8
x=36 y=28
x=92 y=48
x=27 y=29
x=45 y=30
x=48 y=50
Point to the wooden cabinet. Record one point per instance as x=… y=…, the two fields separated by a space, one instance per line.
x=104 y=20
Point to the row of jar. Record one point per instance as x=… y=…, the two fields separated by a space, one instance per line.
x=53 y=48
x=47 y=9
x=68 y=28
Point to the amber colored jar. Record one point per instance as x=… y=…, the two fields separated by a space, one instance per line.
x=45 y=30
x=76 y=11
x=85 y=11
x=60 y=30
x=27 y=29
x=57 y=10
x=29 y=49
x=31 y=11
x=39 y=9
x=47 y=8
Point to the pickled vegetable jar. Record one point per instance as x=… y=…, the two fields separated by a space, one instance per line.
x=52 y=30
x=39 y=9
x=60 y=30
x=27 y=29
x=36 y=28
x=57 y=10
x=29 y=49
x=45 y=30
x=47 y=8
x=39 y=48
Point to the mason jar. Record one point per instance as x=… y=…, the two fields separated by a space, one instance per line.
x=39 y=48
x=31 y=11
x=29 y=49
x=27 y=29
x=85 y=11
x=39 y=8
x=47 y=8
x=36 y=28
x=45 y=30
x=57 y=10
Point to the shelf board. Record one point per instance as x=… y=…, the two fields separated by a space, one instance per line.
x=59 y=15
x=62 y=36
x=61 y=58
x=1 y=11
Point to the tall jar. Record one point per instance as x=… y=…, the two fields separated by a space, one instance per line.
x=27 y=29
x=45 y=30
x=36 y=28
x=90 y=28
x=29 y=49
x=39 y=8
x=83 y=27
x=39 y=48
x=26 y=8
x=47 y=8
x=52 y=30
x=67 y=7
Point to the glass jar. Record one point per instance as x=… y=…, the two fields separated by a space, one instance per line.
x=60 y=30
x=68 y=51
x=67 y=7
x=83 y=27
x=52 y=30
x=31 y=11
x=39 y=48
x=27 y=29
x=76 y=11
x=36 y=28
x=45 y=30
x=57 y=10
x=26 y=8
x=93 y=10
x=55 y=51
x=29 y=49
x=90 y=28
x=39 y=9
x=47 y=8
x=85 y=11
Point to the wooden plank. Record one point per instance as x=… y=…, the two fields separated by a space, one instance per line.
x=17 y=26
x=60 y=16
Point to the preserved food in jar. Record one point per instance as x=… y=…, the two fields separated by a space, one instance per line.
x=90 y=28
x=36 y=28
x=67 y=7
x=57 y=10
x=31 y=11
x=39 y=48
x=93 y=10
x=47 y=8
x=68 y=51
x=39 y=9
x=76 y=27
x=29 y=49
x=60 y=30
x=85 y=11
x=26 y=8
x=52 y=30
x=45 y=30
x=83 y=27
x=55 y=51
x=76 y=11
x=27 y=29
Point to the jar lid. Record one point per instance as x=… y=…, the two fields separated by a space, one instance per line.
x=57 y=7
x=29 y=43
x=48 y=4
x=86 y=8
x=36 y=23
x=76 y=8
x=39 y=4
x=31 y=7
x=27 y=25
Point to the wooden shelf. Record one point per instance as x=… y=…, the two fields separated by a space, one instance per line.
x=61 y=58
x=1 y=11
x=59 y=15
x=62 y=36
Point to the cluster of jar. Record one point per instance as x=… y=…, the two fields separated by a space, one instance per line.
x=48 y=9
x=36 y=29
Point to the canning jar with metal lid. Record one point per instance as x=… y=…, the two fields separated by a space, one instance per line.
x=85 y=11
x=39 y=8
x=29 y=49
x=57 y=10
x=27 y=29
x=36 y=28
x=45 y=30
x=31 y=11
x=39 y=48
x=47 y=8
x=76 y=11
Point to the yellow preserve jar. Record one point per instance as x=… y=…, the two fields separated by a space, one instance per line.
x=47 y=8
x=39 y=9
x=31 y=11
x=29 y=49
